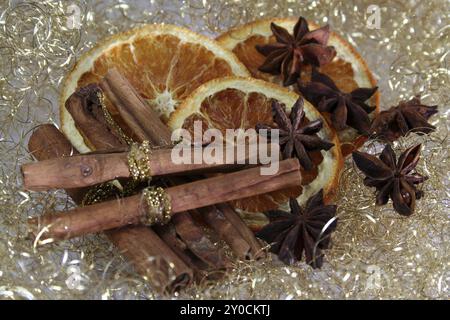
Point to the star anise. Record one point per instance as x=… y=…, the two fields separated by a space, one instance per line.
x=408 y=116
x=297 y=138
x=301 y=232
x=345 y=108
x=392 y=178
x=287 y=55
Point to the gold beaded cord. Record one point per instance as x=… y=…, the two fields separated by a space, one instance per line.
x=110 y=121
x=376 y=253
x=139 y=160
x=157 y=208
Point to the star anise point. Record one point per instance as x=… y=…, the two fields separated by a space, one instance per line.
x=302 y=232
x=392 y=178
x=297 y=138
x=346 y=109
x=407 y=116
x=290 y=53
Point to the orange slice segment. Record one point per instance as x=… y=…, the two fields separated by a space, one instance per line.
x=232 y=103
x=348 y=69
x=164 y=63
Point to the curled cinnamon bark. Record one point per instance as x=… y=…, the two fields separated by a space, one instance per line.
x=84 y=105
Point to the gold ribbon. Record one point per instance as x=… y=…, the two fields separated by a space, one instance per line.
x=159 y=206
x=139 y=161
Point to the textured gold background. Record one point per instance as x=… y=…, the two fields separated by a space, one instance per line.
x=376 y=253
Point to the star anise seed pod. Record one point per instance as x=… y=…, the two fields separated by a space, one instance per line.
x=408 y=116
x=301 y=232
x=345 y=108
x=391 y=178
x=295 y=137
x=287 y=55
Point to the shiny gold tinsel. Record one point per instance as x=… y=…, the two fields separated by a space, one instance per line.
x=376 y=252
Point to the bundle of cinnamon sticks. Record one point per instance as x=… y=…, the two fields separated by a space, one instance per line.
x=184 y=252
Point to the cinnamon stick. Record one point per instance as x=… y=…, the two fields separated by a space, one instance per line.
x=136 y=243
x=146 y=125
x=233 y=217
x=169 y=235
x=90 y=169
x=47 y=142
x=140 y=117
x=130 y=210
x=85 y=107
x=152 y=257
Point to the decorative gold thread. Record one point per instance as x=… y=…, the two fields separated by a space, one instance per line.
x=110 y=121
x=139 y=160
x=158 y=206
x=100 y=193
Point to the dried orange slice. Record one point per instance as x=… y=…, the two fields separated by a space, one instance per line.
x=348 y=69
x=164 y=63
x=232 y=103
